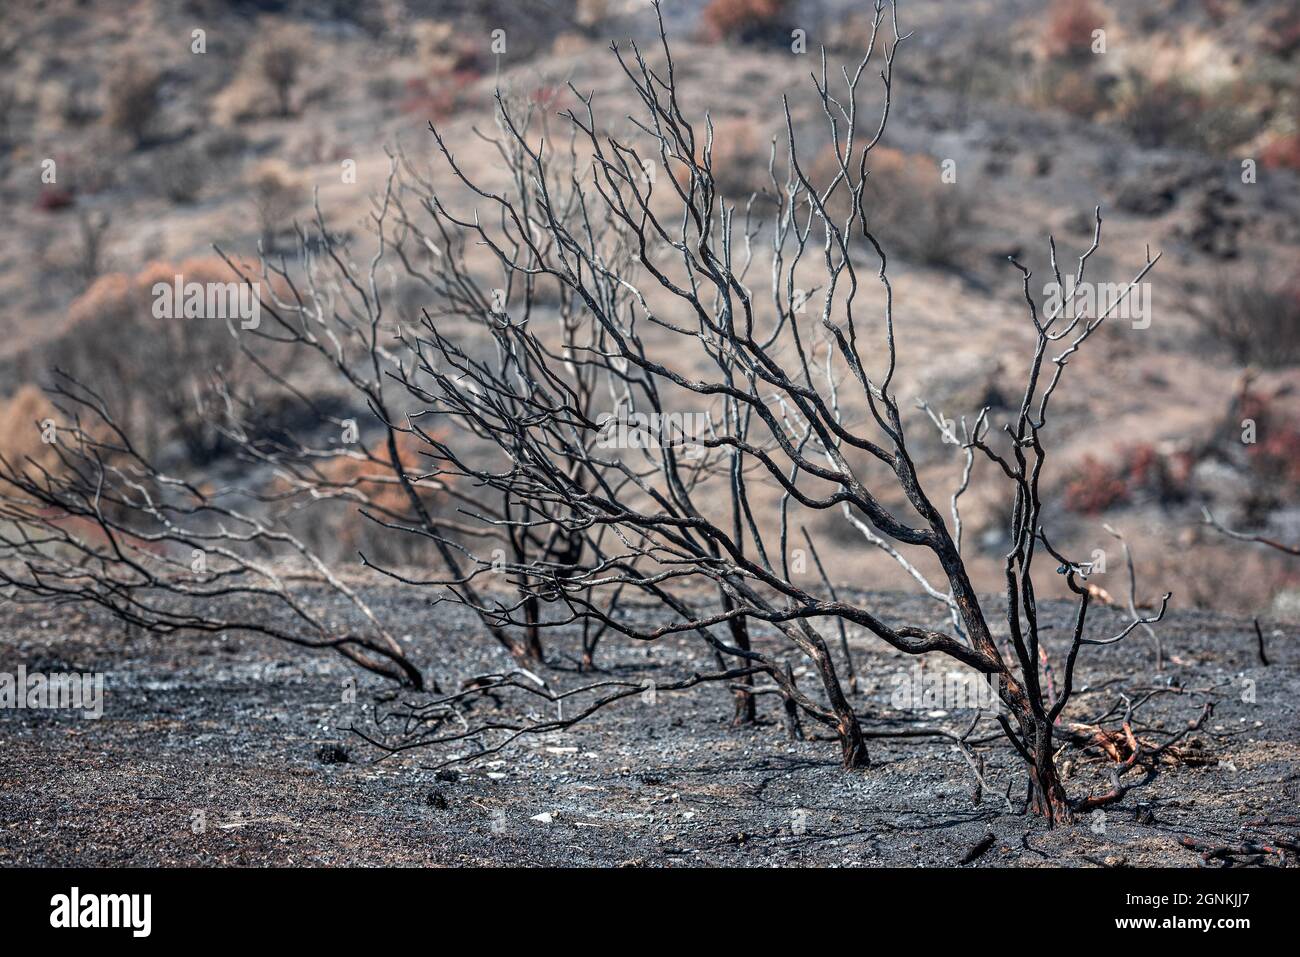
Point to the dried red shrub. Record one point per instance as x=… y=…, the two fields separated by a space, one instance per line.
x=1070 y=25
x=743 y=20
x=1281 y=152
x=1095 y=487
x=54 y=198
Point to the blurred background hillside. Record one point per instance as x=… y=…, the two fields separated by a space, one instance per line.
x=126 y=153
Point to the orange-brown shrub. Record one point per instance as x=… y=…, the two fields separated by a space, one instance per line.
x=122 y=296
x=745 y=21
x=375 y=479
x=908 y=206
x=346 y=531
x=21 y=418
x=739 y=158
x=27 y=419
x=149 y=370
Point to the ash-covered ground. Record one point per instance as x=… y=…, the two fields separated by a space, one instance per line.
x=226 y=751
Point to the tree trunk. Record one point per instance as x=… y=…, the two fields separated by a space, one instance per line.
x=746 y=708
x=1047 y=796
x=793 y=727
x=531 y=649
x=853 y=746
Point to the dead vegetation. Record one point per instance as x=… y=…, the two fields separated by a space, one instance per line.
x=588 y=514
x=459 y=452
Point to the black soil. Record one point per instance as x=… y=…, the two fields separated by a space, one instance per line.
x=237 y=751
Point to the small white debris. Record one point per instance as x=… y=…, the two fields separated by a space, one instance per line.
x=545 y=817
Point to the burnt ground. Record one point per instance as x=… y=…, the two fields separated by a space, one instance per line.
x=215 y=752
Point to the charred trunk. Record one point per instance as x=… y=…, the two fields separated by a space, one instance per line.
x=746 y=711
x=1047 y=797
